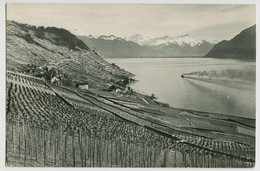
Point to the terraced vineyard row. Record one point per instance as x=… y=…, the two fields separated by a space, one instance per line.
x=43 y=129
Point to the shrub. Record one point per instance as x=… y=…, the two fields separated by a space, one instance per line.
x=28 y=38
x=39 y=32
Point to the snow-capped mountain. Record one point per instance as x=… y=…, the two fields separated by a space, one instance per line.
x=139 y=46
x=110 y=37
x=92 y=37
x=180 y=40
x=144 y=41
x=165 y=40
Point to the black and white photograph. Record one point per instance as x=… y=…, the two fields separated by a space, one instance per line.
x=138 y=85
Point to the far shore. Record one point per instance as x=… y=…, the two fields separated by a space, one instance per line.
x=168 y=57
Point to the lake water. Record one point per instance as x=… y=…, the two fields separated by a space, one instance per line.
x=162 y=76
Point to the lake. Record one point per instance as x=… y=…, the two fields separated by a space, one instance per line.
x=231 y=92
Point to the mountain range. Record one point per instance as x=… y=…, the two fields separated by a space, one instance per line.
x=242 y=46
x=166 y=40
x=138 y=46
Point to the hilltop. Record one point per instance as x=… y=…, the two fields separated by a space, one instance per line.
x=242 y=46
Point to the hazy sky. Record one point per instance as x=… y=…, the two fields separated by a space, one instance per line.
x=209 y=22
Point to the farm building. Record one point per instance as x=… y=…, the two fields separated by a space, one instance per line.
x=83 y=86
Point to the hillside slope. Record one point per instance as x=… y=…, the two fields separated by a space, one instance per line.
x=109 y=127
x=55 y=47
x=242 y=46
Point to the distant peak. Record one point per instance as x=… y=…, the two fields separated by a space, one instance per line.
x=165 y=37
x=110 y=37
x=213 y=41
x=106 y=36
x=185 y=35
x=91 y=36
x=136 y=35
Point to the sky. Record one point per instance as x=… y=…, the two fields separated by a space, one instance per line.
x=208 y=22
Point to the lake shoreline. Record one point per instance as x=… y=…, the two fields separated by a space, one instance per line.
x=167 y=71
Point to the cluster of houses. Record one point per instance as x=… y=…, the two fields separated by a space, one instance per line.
x=52 y=75
x=47 y=74
x=119 y=89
